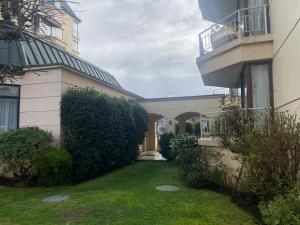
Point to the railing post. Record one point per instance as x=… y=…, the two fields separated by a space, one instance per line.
x=239 y=23
x=266 y=19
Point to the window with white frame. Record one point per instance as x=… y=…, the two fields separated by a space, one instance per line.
x=9 y=107
x=75 y=29
x=51 y=30
x=75 y=46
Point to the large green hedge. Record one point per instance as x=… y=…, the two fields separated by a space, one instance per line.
x=101 y=133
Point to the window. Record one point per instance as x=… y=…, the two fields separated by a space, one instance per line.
x=50 y=30
x=75 y=29
x=256 y=87
x=57 y=32
x=9 y=107
x=75 y=46
x=260 y=86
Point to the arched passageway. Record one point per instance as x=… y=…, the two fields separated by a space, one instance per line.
x=178 y=109
x=151 y=137
x=182 y=121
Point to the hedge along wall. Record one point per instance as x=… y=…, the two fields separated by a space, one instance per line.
x=101 y=132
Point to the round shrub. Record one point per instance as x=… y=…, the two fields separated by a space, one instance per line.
x=54 y=167
x=181 y=142
x=19 y=149
x=164 y=143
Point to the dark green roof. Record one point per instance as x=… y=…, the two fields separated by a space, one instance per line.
x=31 y=51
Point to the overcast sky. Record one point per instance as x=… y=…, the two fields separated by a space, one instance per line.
x=150 y=46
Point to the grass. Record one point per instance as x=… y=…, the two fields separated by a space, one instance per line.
x=126 y=196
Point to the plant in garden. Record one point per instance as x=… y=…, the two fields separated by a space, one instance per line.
x=197 y=171
x=234 y=124
x=165 y=148
x=271 y=155
x=101 y=133
x=181 y=142
x=20 y=148
x=283 y=209
x=197 y=129
x=189 y=128
x=54 y=167
x=195 y=165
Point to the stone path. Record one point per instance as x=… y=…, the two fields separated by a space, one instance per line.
x=151 y=156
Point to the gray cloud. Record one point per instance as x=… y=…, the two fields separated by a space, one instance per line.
x=150 y=46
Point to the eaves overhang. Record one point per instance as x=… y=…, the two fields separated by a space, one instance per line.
x=216 y=10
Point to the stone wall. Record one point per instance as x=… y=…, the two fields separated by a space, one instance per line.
x=218 y=155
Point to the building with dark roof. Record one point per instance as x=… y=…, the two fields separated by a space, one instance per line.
x=47 y=72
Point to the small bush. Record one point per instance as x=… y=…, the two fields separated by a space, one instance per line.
x=54 y=167
x=165 y=148
x=182 y=142
x=197 y=171
x=195 y=166
x=271 y=155
x=233 y=125
x=20 y=148
x=283 y=210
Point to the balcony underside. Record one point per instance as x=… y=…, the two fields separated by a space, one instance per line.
x=215 y=10
x=222 y=67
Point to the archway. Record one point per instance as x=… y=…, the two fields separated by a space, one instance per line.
x=151 y=137
x=193 y=119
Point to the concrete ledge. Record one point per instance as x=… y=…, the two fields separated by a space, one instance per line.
x=210 y=142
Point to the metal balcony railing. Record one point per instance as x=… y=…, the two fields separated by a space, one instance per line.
x=244 y=22
x=216 y=123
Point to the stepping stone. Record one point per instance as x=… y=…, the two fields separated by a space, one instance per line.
x=167 y=188
x=56 y=198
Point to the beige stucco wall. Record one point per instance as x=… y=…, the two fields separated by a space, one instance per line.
x=39 y=100
x=41 y=93
x=68 y=34
x=286 y=67
x=172 y=108
x=71 y=79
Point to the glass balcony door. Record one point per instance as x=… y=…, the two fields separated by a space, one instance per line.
x=260 y=86
x=256 y=86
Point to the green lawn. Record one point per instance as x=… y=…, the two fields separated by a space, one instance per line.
x=126 y=196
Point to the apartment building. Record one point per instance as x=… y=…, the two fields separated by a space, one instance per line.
x=253 y=45
x=57 y=24
x=62 y=28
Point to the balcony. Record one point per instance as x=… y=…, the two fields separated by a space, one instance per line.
x=241 y=37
